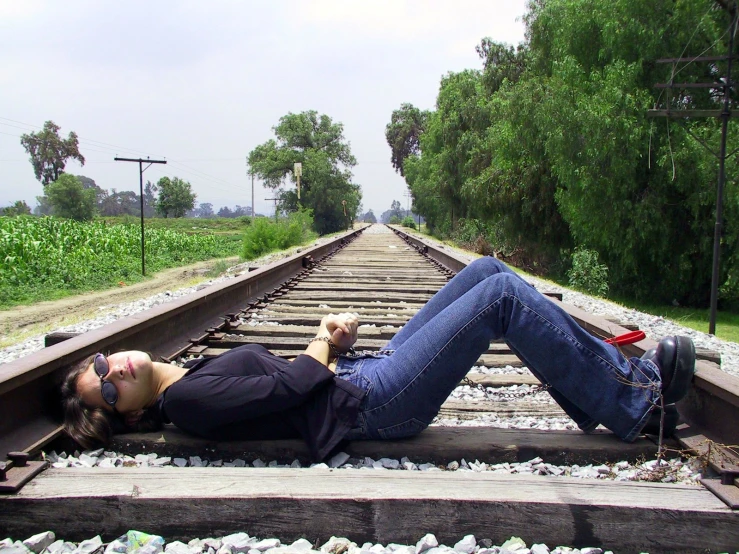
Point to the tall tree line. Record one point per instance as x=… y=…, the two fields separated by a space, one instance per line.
x=547 y=146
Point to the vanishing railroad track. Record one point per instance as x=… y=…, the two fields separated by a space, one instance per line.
x=385 y=280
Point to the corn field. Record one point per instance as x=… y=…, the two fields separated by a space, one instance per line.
x=55 y=256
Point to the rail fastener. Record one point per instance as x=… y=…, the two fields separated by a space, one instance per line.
x=18 y=471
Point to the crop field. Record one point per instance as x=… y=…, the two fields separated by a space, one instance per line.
x=47 y=258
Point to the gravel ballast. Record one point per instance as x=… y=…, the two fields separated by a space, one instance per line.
x=137 y=542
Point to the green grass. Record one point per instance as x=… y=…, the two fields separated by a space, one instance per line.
x=727 y=323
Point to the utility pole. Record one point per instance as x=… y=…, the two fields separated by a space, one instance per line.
x=298 y=171
x=141 y=189
x=275 y=201
x=407 y=195
x=251 y=172
x=726 y=85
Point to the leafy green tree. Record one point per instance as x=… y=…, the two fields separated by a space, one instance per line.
x=19 y=207
x=68 y=198
x=637 y=191
x=318 y=144
x=369 y=217
x=175 y=197
x=403 y=134
x=49 y=152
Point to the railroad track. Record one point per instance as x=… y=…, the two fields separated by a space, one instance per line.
x=385 y=279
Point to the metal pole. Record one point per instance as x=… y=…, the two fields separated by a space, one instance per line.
x=141 y=189
x=253 y=211
x=725 y=115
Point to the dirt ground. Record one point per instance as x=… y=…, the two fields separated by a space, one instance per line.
x=22 y=322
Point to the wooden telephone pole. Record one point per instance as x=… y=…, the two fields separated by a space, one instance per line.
x=726 y=85
x=141 y=188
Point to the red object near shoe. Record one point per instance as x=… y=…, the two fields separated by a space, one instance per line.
x=627 y=338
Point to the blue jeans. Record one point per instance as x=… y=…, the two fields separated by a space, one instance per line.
x=406 y=385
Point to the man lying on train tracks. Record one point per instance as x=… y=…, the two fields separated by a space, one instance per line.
x=331 y=393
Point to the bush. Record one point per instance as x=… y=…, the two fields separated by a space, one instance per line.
x=264 y=235
x=587 y=274
x=408 y=222
x=394 y=220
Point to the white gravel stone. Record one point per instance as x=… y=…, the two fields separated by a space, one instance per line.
x=467 y=545
x=338 y=460
x=389 y=463
x=234 y=538
x=89 y=546
x=514 y=544
x=177 y=547
x=426 y=542
x=38 y=542
x=266 y=544
x=196 y=461
x=301 y=545
x=337 y=545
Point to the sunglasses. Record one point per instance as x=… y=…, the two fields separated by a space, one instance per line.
x=107 y=389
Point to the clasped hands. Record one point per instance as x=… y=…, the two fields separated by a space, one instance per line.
x=341 y=329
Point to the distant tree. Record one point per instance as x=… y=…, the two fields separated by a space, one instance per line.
x=68 y=198
x=204 y=210
x=175 y=197
x=100 y=193
x=225 y=211
x=150 y=199
x=403 y=133
x=120 y=203
x=43 y=207
x=49 y=152
x=18 y=208
x=369 y=217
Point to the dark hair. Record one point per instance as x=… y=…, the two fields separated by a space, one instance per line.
x=95 y=427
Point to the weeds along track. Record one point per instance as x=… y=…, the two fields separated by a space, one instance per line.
x=385 y=278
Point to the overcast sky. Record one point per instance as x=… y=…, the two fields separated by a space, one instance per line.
x=202 y=83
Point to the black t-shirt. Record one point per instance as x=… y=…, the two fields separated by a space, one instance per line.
x=248 y=394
